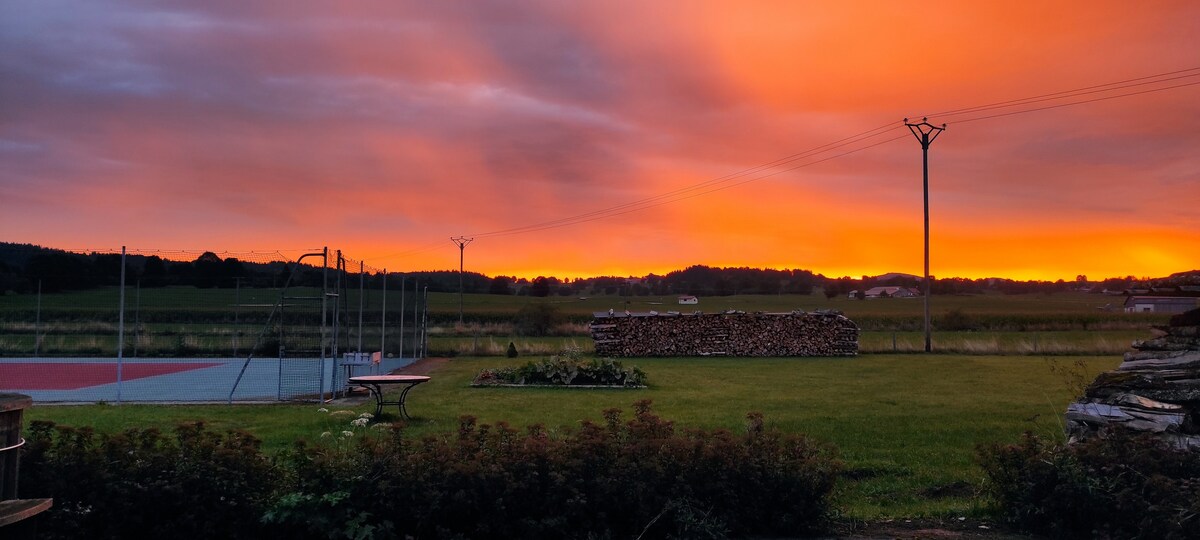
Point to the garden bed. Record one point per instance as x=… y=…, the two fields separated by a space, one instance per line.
x=567 y=370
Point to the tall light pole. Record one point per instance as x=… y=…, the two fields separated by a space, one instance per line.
x=925 y=134
x=461 y=242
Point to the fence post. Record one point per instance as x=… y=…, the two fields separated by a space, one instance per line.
x=37 y=325
x=383 y=321
x=137 y=315
x=361 y=289
x=324 y=316
x=121 y=328
x=402 y=278
x=425 y=325
x=416 y=306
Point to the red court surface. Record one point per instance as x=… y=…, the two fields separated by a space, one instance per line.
x=71 y=376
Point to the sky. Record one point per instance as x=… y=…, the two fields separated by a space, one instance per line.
x=610 y=137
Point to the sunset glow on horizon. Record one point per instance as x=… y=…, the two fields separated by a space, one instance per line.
x=610 y=138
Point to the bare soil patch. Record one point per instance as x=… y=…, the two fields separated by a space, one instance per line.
x=422 y=366
x=938 y=529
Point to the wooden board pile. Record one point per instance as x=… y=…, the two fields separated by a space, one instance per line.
x=1156 y=389
x=822 y=333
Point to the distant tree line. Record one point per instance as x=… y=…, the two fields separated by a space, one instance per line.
x=23 y=266
x=56 y=271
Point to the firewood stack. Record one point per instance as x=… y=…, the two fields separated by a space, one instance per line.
x=1156 y=389
x=822 y=333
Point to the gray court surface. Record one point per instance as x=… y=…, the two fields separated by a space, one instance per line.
x=264 y=379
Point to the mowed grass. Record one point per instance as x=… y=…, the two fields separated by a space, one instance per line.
x=906 y=425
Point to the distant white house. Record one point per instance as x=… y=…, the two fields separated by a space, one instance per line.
x=688 y=300
x=1159 y=304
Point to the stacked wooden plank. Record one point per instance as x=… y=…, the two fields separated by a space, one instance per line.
x=822 y=333
x=1156 y=389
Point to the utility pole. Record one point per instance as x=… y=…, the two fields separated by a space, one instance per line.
x=923 y=132
x=461 y=242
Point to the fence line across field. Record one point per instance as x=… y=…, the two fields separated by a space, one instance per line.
x=193 y=322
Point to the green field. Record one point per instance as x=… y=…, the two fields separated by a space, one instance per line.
x=906 y=425
x=185 y=321
x=248 y=300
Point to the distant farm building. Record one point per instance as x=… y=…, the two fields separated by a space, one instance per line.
x=891 y=292
x=1159 y=304
x=688 y=300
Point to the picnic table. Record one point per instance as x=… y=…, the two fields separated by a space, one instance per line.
x=376 y=383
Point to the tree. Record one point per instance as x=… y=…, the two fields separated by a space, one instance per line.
x=537 y=319
x=60 y=271
x=500 y=285
x=540 y=287
x=154 y=272
x=208 y=268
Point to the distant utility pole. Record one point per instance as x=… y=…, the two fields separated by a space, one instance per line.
x=461 y=242
x=923 y=132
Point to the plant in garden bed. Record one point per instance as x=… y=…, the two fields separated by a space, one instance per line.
x=568 y=368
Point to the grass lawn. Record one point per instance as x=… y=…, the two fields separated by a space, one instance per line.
x=906 y=425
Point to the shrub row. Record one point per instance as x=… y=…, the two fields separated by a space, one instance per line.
x=617 y=478
x=1119 y=486
x=142 y=483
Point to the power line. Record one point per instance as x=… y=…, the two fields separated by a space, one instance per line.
x=1081 y=102
x=1076 y=91
x=765 y=170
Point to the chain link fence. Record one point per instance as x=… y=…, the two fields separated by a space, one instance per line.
x=198 y=326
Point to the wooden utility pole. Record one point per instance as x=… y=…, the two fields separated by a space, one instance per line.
x=925 y=134
x=461 y=242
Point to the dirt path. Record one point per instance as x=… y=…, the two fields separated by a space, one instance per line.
x=940 y=529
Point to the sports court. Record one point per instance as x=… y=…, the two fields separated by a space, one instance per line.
x=89 y=380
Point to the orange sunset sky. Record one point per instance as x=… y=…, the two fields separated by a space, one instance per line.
x=385 y=128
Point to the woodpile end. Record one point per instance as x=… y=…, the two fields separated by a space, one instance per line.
x=797 y=333
x=1156 y=389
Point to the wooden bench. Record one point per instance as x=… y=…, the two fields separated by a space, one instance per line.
x=12 y=509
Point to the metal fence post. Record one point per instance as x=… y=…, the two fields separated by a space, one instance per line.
x=416 y=306
x=121 y=328
x=37 y=325
x=361 y=289
x=402 y=278
x=383 y=321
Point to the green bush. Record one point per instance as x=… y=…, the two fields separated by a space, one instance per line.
x=537 y=319
x=141 y=483
x=616 y=479
x=1119 y=486
x=956 y=320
